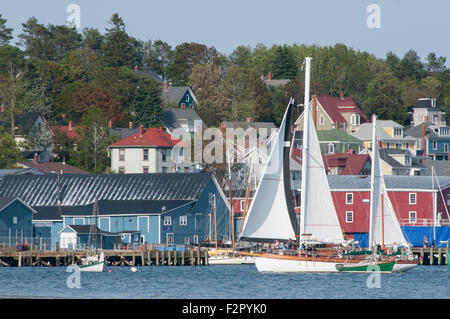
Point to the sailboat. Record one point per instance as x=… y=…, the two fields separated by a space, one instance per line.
x=271 y=216
x=96 y=262
x=384 y=228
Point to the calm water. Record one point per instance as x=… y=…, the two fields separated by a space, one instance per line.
x=238 y=282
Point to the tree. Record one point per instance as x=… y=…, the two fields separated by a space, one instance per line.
x=5 y=32
x=241 y=56
x=77 y=97
x=205 y=81
x=185 y=56
x=9 y=151
x=147 y=103
x=95 y=138
x=93 y=39
x=36 y=39
x=63 y=146
x=283 y=66
x=384 y=98
x=434 y=63
x=119 y=48
x=158 y=58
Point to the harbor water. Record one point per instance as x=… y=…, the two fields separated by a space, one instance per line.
x=220 y=281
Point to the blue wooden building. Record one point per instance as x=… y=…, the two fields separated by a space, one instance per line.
x=175 y=208
x=15 y=221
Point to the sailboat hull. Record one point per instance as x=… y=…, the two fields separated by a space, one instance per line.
x=404 y=265
x=292 y=264
x=95 y=267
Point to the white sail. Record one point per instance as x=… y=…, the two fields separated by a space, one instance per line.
x=384 y=226
x=268 y=215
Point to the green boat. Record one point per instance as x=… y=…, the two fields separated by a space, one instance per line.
x=367 y=267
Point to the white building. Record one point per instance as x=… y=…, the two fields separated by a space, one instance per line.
x=149 y=151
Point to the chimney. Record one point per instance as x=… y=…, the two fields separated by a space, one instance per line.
x=141 y=130
x=424 y=142
x=110 y=124
x=342 y=95
x=269 y=77
x=3 y=109
x=130 y=125
x=161 y=128
x=35 y=158
x=70 y=125
x=183 y=106
x=166 y=85
x=336 y=125
x=249 y=119
x=314 y=111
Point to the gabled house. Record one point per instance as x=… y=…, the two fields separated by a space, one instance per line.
x=15 y=221
x=398 y=162
x=390 y=135
x=334 y=113
x=31 y=128
x=427 y=110
x=332 y=141
x=150 y=150
x=187 y=119
x=434 y=140
x=50 y=167
x=163 y=208
x=181 y=96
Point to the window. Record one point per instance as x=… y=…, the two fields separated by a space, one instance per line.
x=145 y=169
x=183 y=220
x=14 y=219
x=412 y=198
x=167 y=220
x=388 y=145
x=145 y=157
x=186 y=240
x=412 y=217
x=121 y=154
x=398 y=146
x=321 y=120
x=448 y=199
x=397 y=132
x=407 y=160
x=446 y=148
x=358 y=119
x=187 y=97
x=349 y=198
x=164 y=169
x=195 y=239
x=330 y=148
x=121 y=169
x=349 y=217
x=434 y=145
x=242 y=205
x=211 y=197
x=164 y=154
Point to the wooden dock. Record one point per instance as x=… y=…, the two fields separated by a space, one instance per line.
x=136 y=257
x=431 y=255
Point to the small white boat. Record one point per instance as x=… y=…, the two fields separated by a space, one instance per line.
x=228 y=258
x=93 y=263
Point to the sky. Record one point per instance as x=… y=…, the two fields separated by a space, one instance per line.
x=375 y=26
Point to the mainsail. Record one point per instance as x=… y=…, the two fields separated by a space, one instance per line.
x=271 y=214
x=384 y=226
x=319 y=220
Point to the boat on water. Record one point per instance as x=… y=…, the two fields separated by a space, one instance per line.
x=384 y=230
x=93 y=262
x=271 y=216
x=228 y=257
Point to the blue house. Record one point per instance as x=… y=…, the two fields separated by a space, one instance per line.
x=181 y=96
x=47 y=222
x=15 y=221
x=436 y=138
x=175 y=208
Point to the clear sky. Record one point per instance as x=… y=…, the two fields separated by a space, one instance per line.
x=421 y=25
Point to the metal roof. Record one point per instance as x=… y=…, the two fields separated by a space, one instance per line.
x=79 y=190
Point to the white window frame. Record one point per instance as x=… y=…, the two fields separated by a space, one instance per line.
x=167 y=220
x=242 y=202
x=121 y=155
x=414 y=202
x=346 y=199
x=412 y=217
x=349 y=217
x=14 y=220
x=183 y=220
x=321 y=120
x=195 y=239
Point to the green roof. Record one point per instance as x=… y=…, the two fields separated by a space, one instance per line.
x=336 y=135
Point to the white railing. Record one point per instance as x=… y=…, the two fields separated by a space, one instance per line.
x=424 y=222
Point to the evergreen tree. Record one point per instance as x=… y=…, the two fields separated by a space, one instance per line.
x=147 y=103
x=5 y=32
x=283 y=66
x=9 y=151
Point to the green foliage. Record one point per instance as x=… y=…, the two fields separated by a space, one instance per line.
x=147 y=103
x=9 y=151
x=5 y=32
x=283 y=66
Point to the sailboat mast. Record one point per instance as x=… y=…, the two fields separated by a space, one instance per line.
x=95 y=216
x=215 y=222
x=372 y=179
x=305 y=144
x=382 y=221
x=434 y=204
